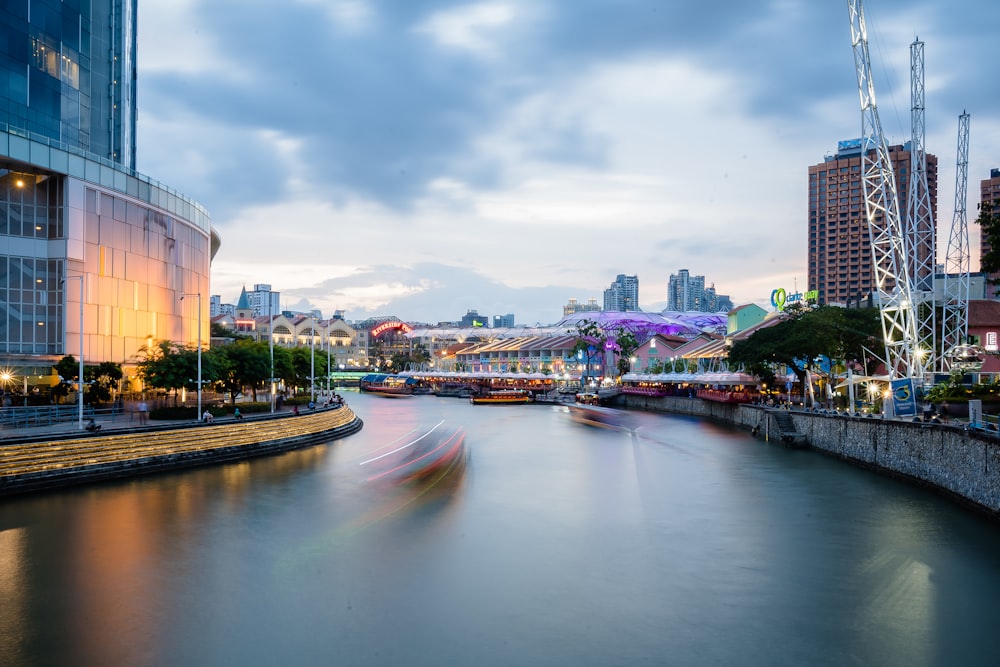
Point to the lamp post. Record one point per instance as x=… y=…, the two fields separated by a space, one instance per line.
x=197 y=294
x=79 y=387
x=270 y=342
x=312 y=361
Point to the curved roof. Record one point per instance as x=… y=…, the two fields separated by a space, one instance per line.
x=644 y=325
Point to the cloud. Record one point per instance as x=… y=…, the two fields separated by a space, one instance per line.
x=531 y=144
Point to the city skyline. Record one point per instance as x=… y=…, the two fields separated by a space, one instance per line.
x=433 y=158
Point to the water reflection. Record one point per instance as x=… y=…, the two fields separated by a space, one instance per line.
x=676 y=542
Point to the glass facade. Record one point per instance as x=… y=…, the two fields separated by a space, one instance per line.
x=67 y=72
x=83 y=237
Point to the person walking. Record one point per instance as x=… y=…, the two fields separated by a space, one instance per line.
x=143 y=413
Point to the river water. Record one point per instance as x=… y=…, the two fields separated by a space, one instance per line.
x=681 y=543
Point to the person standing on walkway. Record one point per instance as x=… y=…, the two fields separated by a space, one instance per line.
x=143 y=413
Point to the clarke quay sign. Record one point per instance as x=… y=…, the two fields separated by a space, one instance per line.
x=780 y=298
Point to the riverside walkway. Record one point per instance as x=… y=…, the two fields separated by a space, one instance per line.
x=62 y=455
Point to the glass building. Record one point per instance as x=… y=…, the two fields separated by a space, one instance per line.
x=82 y=235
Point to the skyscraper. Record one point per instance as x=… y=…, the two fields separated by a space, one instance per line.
x=688 y=293
x=839 y=257
x=989 y=193
x=623 y=294
x=80 y=230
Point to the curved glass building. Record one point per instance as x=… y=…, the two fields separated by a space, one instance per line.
x=83 y=236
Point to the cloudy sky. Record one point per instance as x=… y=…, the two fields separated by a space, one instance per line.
x=422 y=158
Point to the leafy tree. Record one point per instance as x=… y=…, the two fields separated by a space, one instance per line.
x=102 y=381
x=805 y=335
x=246 y=363
x=168 y=366
x=68 y=370
x=590 y=344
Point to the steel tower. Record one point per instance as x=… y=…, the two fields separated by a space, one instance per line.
x=955 y=321
x=921 y=230
x=889 y=252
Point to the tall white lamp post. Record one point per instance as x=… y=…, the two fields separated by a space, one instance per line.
x=197 y=294
x=270 y=342
x=312 y=361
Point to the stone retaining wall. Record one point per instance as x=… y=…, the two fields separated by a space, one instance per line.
x=960 y=463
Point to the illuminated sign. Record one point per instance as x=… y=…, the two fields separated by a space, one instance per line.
x=385 y=326
x=779 y=297
x=991 y=341
x=477 y=323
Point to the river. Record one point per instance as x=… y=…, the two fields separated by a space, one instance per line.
x=680 y=543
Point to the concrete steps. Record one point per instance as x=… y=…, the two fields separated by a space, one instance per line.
x=50 y=463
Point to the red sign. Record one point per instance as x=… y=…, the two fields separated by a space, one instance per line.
x=385 y=326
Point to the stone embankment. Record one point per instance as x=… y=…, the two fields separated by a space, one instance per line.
x=63 y=461
x=961 y=463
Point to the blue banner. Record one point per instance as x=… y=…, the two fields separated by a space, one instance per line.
x=904 y=400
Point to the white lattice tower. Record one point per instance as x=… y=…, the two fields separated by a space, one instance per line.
x=889 y=253
x=955 y=319
x=920 y=228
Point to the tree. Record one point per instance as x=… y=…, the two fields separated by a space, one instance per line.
x=589 y=344
x=168 y=366
x=989 y=220
x=804 y=336
x=246 y=363
x=102 y=381
x=68 y=370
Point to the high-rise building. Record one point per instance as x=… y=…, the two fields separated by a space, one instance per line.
x=989 y=193
x=264 y=301
x=82 y=235
x=688 y=293
x=840 y=257
x=623 y=294
x=574 y=306
x=503 y=321
x=685 y=292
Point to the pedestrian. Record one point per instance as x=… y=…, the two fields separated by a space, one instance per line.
x=295 y=410
x=237 y=415
x=143 y=412
x=207 y=417
x=944 y=411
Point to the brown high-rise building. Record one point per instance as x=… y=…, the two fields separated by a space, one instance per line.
x=840 y=254
x=989 y=193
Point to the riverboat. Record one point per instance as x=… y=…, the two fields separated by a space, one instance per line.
x=502 y=397
x=454 y=389
x=429 y=454
x=594 y=415
x=389 y=386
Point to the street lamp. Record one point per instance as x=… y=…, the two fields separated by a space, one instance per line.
x=312 y=361
x=197 y=294
x=270 y=342
x=79 y=387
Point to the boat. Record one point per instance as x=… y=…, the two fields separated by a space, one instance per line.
x=595 y=415
x=454 y=389
x=389 y=386
x=502 y=397
x=428 y=454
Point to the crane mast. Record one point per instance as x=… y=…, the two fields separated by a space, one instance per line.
x=955 y=321
x=888 y=243
x=921 y=230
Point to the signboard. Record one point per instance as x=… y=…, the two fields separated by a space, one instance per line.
x=780 y=298
x=904 y=400
x=385 y=326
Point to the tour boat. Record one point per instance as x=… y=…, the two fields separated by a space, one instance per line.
x=429 y=454
x=502 y=397
x=389 y=386
x=594 y=415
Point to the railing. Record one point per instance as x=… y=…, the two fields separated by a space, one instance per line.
x=47 y=415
